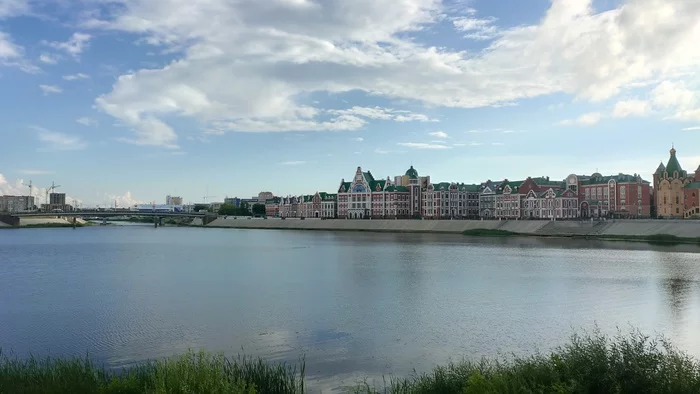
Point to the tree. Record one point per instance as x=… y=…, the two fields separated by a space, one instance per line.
x=232 y=210
x=259 y=209
x=200 y=207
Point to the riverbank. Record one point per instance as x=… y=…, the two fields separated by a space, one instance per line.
x=663 y=231
x=589 y=363
x=49 y=222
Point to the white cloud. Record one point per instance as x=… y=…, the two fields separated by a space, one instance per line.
x=383 y=114
x=10 y=8
x=85 y=121
x=497 y=143
x=293 y=163
x=439 y=134
x=75 y=45
x=279 y=51
x=422 y=145
x=358 y=139
x=476 y=28
x=122 y=201
x=12 y=55
x=381 y=151
x=49 y=89
x=692 y=128
x=73 y=77
x=48 y=58
x=633 y=107
x=588 y=119
x=55 y=141
x=35 y=172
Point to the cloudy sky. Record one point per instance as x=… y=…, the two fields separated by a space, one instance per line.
x=135 y=99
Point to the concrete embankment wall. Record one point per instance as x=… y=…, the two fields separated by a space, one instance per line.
x=40 y=221
x=425 y=226
x=679 y=228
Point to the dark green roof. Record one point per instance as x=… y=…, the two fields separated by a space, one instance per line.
x=660 y=170
x=597 y=179
x=694 y=185
x=403 y=189
x=373 y=185
x=411 y=173
x=346 y=185
x=673 y=165
x=368 y=176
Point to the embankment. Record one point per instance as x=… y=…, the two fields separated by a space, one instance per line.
x=611 y=229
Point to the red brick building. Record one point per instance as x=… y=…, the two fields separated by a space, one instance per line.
x=622 y=195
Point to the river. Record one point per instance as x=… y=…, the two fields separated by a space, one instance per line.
x=355 y=304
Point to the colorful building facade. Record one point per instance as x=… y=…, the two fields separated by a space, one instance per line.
x=673 y=185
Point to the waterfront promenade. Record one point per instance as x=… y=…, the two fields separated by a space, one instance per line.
x=611 y=228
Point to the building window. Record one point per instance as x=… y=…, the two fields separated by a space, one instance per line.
x=677 y=210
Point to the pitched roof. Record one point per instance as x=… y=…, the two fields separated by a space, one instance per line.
x=673 y=164
x=345 y=185
x=694 y=185
x=660 y=170
x=368 y=176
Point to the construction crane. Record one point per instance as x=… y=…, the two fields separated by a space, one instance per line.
x=30 y=188
x=205 y=198
x=51 y=190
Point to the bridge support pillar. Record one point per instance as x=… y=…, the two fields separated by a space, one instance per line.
x=155 y=221
x=75 y=221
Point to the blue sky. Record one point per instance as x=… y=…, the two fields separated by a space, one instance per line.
x=130 y=100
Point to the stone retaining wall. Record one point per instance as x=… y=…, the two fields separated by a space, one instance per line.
x=680 y=228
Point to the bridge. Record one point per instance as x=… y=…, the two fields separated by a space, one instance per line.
x=14 y=217
x=108 y=214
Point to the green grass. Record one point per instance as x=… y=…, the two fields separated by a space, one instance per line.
x=591 y=363
x=186 y=374
x=483 y=232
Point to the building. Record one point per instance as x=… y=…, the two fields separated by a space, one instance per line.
x=289 y=207
x=235 y=201
x=264 y=196
x=487 y=199
x=670 y=185
x=57 y=198
x=621 y=195
x=272 y=207
x=173 y=200
x=16 y=203
x=366 y=197
x=450 y=201
x=691 y=198
x=318 y=205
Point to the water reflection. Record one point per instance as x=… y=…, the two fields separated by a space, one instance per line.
x=357 y=304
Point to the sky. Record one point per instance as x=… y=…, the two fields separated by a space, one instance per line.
x=127 y=101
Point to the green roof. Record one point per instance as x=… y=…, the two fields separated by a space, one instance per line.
x=373 y=185
x=597 y=179
x=346 y=185
x=412 y=173
x=694 y=185
x=368 y=176
x=660 y=170
x=402 y=189
x=673 y=165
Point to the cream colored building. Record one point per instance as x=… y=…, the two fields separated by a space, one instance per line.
x=669 y=184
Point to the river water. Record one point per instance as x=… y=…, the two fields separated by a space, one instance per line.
x=357 y=305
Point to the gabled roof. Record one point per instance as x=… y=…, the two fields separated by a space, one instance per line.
x=368 y=176
x=344 y=187
x=373 y=185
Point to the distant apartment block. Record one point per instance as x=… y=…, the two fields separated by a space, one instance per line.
x=16 y=203
x=173 y=200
